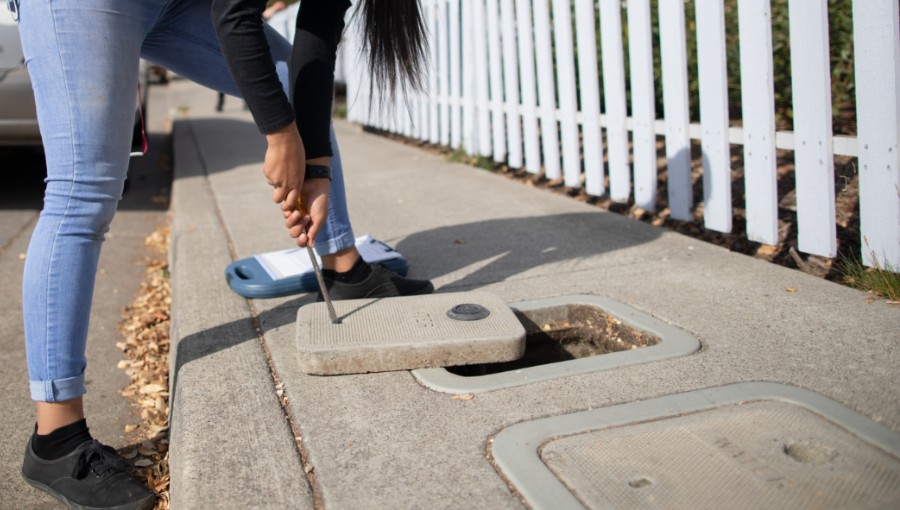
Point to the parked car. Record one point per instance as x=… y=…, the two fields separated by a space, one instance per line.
x=18 y=117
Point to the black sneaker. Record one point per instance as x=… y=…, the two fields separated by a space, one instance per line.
x=93 y=476
x=381 y=282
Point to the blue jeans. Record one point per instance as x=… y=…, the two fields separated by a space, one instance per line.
x=83 y=58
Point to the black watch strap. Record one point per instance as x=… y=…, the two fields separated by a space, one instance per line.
x=318 y=172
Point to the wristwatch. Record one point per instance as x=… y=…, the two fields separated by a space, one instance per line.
x=318 y=172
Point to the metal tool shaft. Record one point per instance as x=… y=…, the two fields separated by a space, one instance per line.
x=315 y=264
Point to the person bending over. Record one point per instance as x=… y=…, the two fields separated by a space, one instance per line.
x=82 y=56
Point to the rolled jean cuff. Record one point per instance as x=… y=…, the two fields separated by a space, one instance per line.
x=58 y=390
x=335 y=244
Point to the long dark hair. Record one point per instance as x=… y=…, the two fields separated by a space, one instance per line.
x=393 y=34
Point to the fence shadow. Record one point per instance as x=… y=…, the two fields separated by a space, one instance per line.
x=499 y=249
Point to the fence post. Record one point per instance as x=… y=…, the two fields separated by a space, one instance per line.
x=758 y=112
x=588 y=79
x=435 y=72
x=713 y=78
x=511 y=81
x=546 y=89
x=675 y=99
x=498 y=124
x=529 y=94
x=442 y=39
x=877 y=46
x=568 y=100
x=347 y=53
x=455 y=76
x=614 y=99
x=470 y=79
x=482 y=102
x=643 y=103
x=813 y=153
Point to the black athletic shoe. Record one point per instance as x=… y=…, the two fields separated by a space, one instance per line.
x=93 y=476
x=381 y=282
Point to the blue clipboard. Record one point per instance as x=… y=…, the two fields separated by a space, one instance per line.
x=257 y=278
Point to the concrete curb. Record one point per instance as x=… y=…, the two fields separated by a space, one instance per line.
x=219 y=376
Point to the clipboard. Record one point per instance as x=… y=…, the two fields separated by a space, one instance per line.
x=288 y=272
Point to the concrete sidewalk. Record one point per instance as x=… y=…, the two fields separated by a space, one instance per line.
x=386 y=440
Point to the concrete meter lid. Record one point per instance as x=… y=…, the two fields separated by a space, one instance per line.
x=748 y=445
x=404 y=333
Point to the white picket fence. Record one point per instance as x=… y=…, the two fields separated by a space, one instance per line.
x=492 y=91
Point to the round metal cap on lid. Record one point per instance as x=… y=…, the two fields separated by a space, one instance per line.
x=468 y=312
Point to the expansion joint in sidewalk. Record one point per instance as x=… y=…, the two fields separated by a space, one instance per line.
x=257 y=328
x=285 y=407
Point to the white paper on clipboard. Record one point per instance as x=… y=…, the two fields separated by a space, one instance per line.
x=295 y=261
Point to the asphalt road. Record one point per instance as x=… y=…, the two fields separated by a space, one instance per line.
x=122 y=263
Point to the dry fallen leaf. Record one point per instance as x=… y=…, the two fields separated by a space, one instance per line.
x=463 y=396
x=791 y=289
x=870 y=300
x=145 y=345
x=152 y=388
x=156 y=429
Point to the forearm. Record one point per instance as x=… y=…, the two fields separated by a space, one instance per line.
x=319 y=27
x=239 y=27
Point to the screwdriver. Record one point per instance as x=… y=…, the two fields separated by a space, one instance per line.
x=315 y=265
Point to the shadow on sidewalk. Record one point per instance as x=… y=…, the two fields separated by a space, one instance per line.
x=225 y=336
x=504 y=248
x=147 y=187
x=500 y=248
x=248 y=147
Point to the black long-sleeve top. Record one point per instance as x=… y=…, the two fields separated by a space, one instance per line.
x=239 y=26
